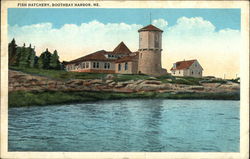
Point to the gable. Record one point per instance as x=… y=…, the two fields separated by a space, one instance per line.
x=196 y=65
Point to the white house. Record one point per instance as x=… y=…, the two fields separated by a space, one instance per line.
x=190 y=68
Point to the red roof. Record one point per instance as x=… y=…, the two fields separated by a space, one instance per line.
x=150 y=28
x=131 y=57
x=100 y=55
x=122 y=48
x=96 y=56
x=180 y=65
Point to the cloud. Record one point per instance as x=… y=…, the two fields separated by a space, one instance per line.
x=190 y=38
x=72 y=41
x=196 y=38
x=161 y=23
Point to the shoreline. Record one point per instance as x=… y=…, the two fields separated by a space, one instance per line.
x=45 y=98
x=46 y=87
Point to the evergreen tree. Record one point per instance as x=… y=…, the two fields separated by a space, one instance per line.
x=12 y=52
x=36 y=61
x=24 y=58
x=54 y=61
x=18 y=55
x=31 y=58
x=44 y=60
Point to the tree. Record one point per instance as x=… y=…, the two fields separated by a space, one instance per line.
x=36 y=61
x=44 y=60
x=24 y=58
x=12 y=52
x=31 y=57
x=54 y=61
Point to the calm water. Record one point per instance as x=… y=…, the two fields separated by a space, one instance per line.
x=127 y=125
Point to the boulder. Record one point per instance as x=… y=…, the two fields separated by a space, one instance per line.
x=110 y=76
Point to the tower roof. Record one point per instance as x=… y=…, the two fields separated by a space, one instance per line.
x=150 y=27
x=122 y=48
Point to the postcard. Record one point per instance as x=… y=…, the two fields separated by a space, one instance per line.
x=124 y=79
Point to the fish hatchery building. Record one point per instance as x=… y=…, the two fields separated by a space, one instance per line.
x=147 y=60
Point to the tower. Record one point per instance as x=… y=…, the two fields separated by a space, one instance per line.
x=150 y=47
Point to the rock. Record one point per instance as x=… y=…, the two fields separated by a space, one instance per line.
x=110 y=76
x=150 y=87
x=211 y=85
x=232 y=87
x=198 y=88
x=96 y=81
x=108 y=81
x=111 y=84
x=152 y=78
x=27 y=82
x=151 y=82
x=121 y=84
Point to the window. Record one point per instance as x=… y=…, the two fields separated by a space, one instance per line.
x=83 y=64
x=126 y=66
x=157 y=45
x=87 y=65
x=199 y=73
x=106 y=65
x=140 y=41
x=179 y=72
x=94 y=65
x=192 y=72
x=97 y=64
x=119 y=67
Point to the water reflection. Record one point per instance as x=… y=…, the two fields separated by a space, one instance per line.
x=127 y=125
x=153 y=124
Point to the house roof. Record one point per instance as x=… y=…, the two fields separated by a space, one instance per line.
x=96 y=56
x=100 y=55
x=132 y=57
x=180 y=65
x=122 y=48
x=150 y=27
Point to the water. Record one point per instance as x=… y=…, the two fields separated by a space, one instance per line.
x=128 y=126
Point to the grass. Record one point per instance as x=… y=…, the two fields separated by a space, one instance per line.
x=217 y=81
x=65 y=75
x=186 y=80
x=24 y=98
x=59 y=74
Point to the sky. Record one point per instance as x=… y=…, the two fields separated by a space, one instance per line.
x=212 y=36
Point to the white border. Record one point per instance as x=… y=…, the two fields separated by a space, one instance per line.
x=244 y=74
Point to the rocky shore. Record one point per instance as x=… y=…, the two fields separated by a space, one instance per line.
x=28 y=89
x=19 y=81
